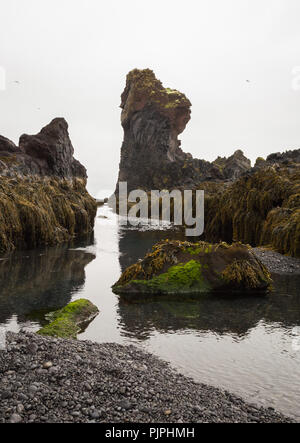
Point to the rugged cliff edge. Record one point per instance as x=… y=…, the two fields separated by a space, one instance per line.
x=43 y=196
x=259 y=205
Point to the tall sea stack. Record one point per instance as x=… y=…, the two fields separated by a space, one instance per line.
x=151 y=157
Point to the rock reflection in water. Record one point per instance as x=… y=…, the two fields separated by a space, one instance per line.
x=134 y=244
x=221 y=315
x=38 y=281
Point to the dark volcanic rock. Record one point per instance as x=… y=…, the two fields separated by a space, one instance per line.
x=43 y=196
x=49 y=153
x=7 y=146
x=52 y=150
x=234 y=166
x=151 y=157
x=285 y=157
x=279 y=158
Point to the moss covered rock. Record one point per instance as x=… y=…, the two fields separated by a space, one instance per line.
x=70 y=320
x=175 y=267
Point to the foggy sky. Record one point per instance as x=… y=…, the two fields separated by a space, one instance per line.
x=71 y=58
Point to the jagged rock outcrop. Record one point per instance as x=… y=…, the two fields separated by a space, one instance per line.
x=49 y=153
x=151 y=157
x=279 y=158
x=233 y=166
x=43 y=196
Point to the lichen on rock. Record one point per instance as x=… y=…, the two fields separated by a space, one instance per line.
x=176 y=267
x=144 y=89
x=68 y=321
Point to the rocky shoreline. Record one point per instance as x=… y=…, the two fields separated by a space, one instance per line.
x=278 y=263
x=53 y=380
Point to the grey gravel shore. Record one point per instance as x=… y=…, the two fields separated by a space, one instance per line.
x=278 y=263
x=53 y=380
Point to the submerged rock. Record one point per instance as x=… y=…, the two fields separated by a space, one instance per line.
x=175 y=267
x=68 y=321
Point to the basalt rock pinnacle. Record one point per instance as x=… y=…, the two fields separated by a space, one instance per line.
x=151 y=157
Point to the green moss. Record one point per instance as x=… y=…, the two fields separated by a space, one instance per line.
x=178 y=279
x=169 y=269
x=66 y=322
x=194 y=251
x=142 y=87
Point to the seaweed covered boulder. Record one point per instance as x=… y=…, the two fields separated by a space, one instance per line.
x=175 y=267
x=70 y=320
x=262 y=208
x=43 y=195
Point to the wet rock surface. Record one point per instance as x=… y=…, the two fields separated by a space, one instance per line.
x=53 y=380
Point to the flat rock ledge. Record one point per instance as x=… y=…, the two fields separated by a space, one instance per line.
x=45 y=379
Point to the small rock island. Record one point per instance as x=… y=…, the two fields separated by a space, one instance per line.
x=175 y=267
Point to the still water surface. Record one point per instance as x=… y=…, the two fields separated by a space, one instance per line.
x=250 y=346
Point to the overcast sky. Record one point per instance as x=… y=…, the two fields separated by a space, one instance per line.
x=71 y=58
